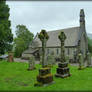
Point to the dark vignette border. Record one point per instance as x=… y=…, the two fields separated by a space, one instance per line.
x=44 y=89
x=48 y=0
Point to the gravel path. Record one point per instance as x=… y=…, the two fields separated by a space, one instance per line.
x=22 y=60
x=37 y=62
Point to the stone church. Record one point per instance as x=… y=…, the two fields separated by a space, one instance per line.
x=76 y=42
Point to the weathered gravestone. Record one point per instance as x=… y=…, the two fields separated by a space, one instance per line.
x=81 y=60
x=62 y=70
x=50 y=59
x=10 y=57
x=31 y=63
x=67 y=58
x=89 y=63
x=45 y=77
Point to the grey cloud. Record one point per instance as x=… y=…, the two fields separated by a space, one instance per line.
x=48 y=15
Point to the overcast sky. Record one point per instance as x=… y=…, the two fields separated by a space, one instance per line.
x=49 y=15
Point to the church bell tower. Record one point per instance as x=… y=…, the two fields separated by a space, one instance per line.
x=82 y=19
x=83 y=30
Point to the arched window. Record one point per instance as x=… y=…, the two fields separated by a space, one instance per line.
x=57 y=51
x=47 y=51
x=68 y=51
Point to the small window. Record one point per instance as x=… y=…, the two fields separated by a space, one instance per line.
x=57 y=51
x=47 y=51
x=68 y=51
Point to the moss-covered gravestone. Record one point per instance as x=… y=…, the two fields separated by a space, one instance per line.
x=45 y=77
x=50 y=59
x=62 y=70
x=31 y=63
x=89 y=63
x=10 y=57
x=80 y=56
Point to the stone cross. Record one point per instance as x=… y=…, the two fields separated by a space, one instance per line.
x=62 y=70
x=31 y=63
x=43 y=36
x=88 y=59
x=62 y=38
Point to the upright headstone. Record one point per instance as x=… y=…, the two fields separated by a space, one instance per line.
x=31 y=63
x=80 y=56
x=51 y=59
x=10 y=57
x=89 y=63
x=75 y=57
x=62 y=70
x=45 y=77
x=67 y=58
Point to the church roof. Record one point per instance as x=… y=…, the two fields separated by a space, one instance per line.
x=73 y=35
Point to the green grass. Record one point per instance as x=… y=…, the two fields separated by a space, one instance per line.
x=14 y=76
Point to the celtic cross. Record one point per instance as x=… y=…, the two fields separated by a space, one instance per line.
x=43 y=36
x=62 y=38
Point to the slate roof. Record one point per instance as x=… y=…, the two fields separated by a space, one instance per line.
x=73 y=35
x=30 y=51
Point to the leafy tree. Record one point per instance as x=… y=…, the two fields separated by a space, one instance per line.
x=19 y=46
x=6 y=36
x=25 y=34
x=23 y=39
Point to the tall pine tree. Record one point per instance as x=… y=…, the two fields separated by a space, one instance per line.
x=6 y=36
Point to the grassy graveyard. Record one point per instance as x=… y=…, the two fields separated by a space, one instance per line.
x=14 y=76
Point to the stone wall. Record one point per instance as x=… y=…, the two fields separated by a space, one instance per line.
x=68 y=52
x=83 y=45
x=26 y=56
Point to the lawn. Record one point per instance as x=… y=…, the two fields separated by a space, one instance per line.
x=14 y=76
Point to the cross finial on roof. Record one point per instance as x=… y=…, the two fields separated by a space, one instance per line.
x=82 y=13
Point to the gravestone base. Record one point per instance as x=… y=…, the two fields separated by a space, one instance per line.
x=63 y=70
x=89 y=66
x=32 y=68
x=81 y=68
x=50 y=66
x=10 y=57
x=45 y=77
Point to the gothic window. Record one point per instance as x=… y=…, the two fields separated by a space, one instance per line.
x=47 y=51
x=68 y=51
x=57 y=51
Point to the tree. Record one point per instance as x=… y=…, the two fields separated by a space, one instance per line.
x=25 y=34
x=6 y=36
x=19 y=46
x=23 y=39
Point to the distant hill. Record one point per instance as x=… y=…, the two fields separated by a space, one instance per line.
x=89 y=35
